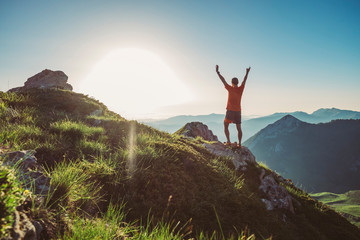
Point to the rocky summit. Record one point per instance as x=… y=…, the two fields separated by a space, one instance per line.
x=46 y=79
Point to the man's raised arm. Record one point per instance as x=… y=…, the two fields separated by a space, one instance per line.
x=221 y=77
x=246 y=75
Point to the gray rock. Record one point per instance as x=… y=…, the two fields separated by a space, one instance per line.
x=197 y=129
x=31 y=173
x=97 y=113
x=97 y=122
x=240 y=157
x=24 y=159
x=46 y=79
x=268 y=204
x=277 y=196
x=24 y=229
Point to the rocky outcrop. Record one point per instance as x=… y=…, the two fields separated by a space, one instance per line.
x=25 y=159
x=197 y=129
x=97 y=113
x=277 y=197
x=24 y=228
x=31 y=173
x=240 y=157
x=46 y=79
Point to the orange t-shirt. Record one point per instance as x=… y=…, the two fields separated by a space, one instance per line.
x=234 y=97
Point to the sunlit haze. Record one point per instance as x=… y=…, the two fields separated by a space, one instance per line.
x=152 y=59
x=135 y=83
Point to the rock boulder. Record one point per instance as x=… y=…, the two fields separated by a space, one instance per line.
x=240 y=157
x=277 y=197
x=197 y=129
x=46 y=79
x=31 y=173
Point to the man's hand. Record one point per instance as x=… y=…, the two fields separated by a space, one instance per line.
x=221 y=77
x=246 y=75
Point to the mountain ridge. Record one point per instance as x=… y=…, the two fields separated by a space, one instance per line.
x=250 y=126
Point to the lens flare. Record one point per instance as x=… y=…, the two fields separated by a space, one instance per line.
x=131 y=148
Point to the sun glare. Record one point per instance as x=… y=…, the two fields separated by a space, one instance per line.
x=135 y=83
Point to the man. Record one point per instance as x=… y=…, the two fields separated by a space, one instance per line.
x=233 y=108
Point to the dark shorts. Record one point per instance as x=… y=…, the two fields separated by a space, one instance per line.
x=233 y=117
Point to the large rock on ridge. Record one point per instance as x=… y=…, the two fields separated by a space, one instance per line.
x=46 y=79
x=240 y=157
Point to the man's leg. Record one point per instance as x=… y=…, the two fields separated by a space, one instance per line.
x=226 y=129
x=238 y=126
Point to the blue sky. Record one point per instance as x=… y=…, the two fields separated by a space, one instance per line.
x=304 y=55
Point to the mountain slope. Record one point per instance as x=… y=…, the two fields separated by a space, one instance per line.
x=97 y=161
x=320 y=157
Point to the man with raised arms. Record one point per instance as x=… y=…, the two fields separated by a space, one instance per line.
x=233 y=108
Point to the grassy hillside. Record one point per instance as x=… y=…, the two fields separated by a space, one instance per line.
x=348 y=204
x=112 y=178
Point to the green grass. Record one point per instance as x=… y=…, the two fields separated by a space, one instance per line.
x=11 y=195
x=70 y=187
x=111 y=225
x=347 y=204
x=264 y=165
x=20 y=135
x=75 y=131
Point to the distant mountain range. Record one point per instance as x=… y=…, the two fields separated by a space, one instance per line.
x=320 y=157
x=250 y=126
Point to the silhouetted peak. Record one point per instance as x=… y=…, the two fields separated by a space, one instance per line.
x=284 y=125
x=288 y=121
